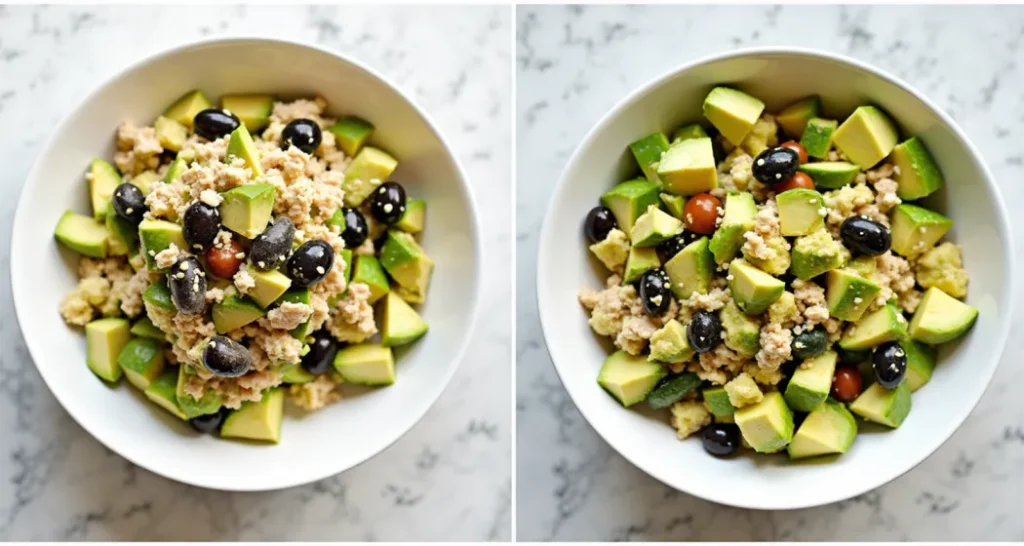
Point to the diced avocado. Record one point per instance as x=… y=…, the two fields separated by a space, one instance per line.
x=916 y=229
x=298 y=295
x=241 y=145
x=252 y=110
x=413 y=218
x=295 y=374
x=942 y=268
x=351 y=133
x=885 y=324
x=940 y=318
x=103 y=178
x=346 y=258
x=408 y=295
x=732 y=112
x=104 y=339
x=406 y=262
x=174 y=172
x=883 y=406
x=672 y=389
x=691 y=269
x=693 y=130
x=142 y=360
x=688 y=167
x=83 y=234
x=235 y=311
x=918 y=175
x=831 y=174
x=629 y=378
x=767 y=425
x=647 y=152
x=171 y=134
x=257 y=420
x=865 y=266
x=161 y=392
x=793 y=118
x=920 y=363
x=209 y=403
x=752 y=289
x=654 y=226
x=815 y=254
x=811 y=382
x=145 y=180
x=866 y=137
x=673 y=204
x=270 y=285
x=739 y=218
x=368 y=271
x=124 y=236
x=670 y=344
x=157 y=236
x=817 y=137
x=742 y=333
x=186 y=107
x=799 y=212
x=145 y=328
x=849 y=294
x=613 y=251
x=640 y=261
x=400 y=323
x=830 y=428
x=629 y=200
x=246 y=209
x=370 y=167
x=716 y=400
x=159 y=295
x=366 y=364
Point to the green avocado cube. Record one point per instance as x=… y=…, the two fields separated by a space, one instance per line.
x=920 y=363
x=670 y=344
x=686 y=132
x=647 y=152
x=142 y=360
x=400 y=323
x=83 y=234
x=753 y=290
x=815 y=254
x=866 y=137
x=885 y=324
x=716 y=400
x=259 y=421
x=145 y=180
x=691 y=269
x=811 y=382
x=800 y=212
x=413 y=218
x=177 y=168
x=767 y=425
x=209 y=403
x=158 y=235
x=171 y=134
x=124 y=236
x=351 y=134
x=742 y=332
x=103 y=178
x=628 y=200
x=406 y=262
x=793 y=118
x=629 y=378
x=915 y=229
x=144 y=327
x=235 y=311
x=252 y=110
x=849 y=294
x=370 y=167
x=158 y=295
x=888 y=407
x=367 y=270
x=654 y=226
x=673 y=204
x=186 y=107
x=270 y=285
x=246 y=209
x=732 y=112
x=366 y=364
x=241 y=145
x=688 y=167
x=104 y=339
x=671 y=389
x=640 y=261
x=831 y=175
x=829 y=429
x=940 y=318
x=918 y=174
x=739 y=218
x=817 y=137
x=297 y=295
x=295 y=374
x=161 y=392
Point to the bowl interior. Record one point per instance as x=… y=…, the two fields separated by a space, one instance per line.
x=312 y=446
x=876 y=456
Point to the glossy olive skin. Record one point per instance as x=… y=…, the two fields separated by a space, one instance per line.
x=655 y=292
x=775 y=165
x=356 y=230
x=225 y=357
x=129 y=203
x=598 y=223
x=214 y=123
x=889 y=362
x=865 y=236
x=810 y=343
x=704 y=331
x=187 y=282
x=270 y=248
x=721 y=439
x=322 y=350
x=387 y=203
x=211 y=423
x=310 y=263
x=302 y=133
x=677 y=243
x=200 y=225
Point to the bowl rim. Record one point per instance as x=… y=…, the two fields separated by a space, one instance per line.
x=20 y=225
x=1001 y=220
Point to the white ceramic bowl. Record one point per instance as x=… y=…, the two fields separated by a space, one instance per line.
x=777 y=76
x=313 y=446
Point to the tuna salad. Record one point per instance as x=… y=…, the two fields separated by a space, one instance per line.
x=769 y=277
x=241 y=256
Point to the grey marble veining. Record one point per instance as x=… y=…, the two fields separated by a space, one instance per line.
x=574 y=63
x=449 y=478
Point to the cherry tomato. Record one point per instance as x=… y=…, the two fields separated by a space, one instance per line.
x=796 y=147
x=846 y=384
x=224 y=262
x=798 y=180
x=701 y=213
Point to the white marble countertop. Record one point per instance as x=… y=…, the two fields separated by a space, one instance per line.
x=449 y=478
x=577 y=62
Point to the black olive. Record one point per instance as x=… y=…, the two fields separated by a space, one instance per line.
x=655 y=292
x=321 y=353
x=187 y=282
x=270 y=248
x=810 y=343
x=599 y=222
x=775 y=165
x=310 y=263
x=214 y=123
x=200 y=225
x=865 y=236
x=129 y=203
x=387 y=204
x=356 y=231
x=704 y=331
x=225 y=357
x=721 y=439
x=302 y=133
x=210 y=423
x=671 y=247
x=889 y=361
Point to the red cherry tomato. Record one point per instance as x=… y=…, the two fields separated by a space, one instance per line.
x=798 y=180
x=846 y=384
x=796 y=147
x=224 y=262
x=701 y=213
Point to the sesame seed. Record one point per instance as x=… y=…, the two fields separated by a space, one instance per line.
x=197 y=246
x=240 y=255
x=858 y=300
x=180 y=275
x=778 y=176
x=760 y=162
x=320 y=269
x=388 y=207
x=152 y=253
x=183 y=266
